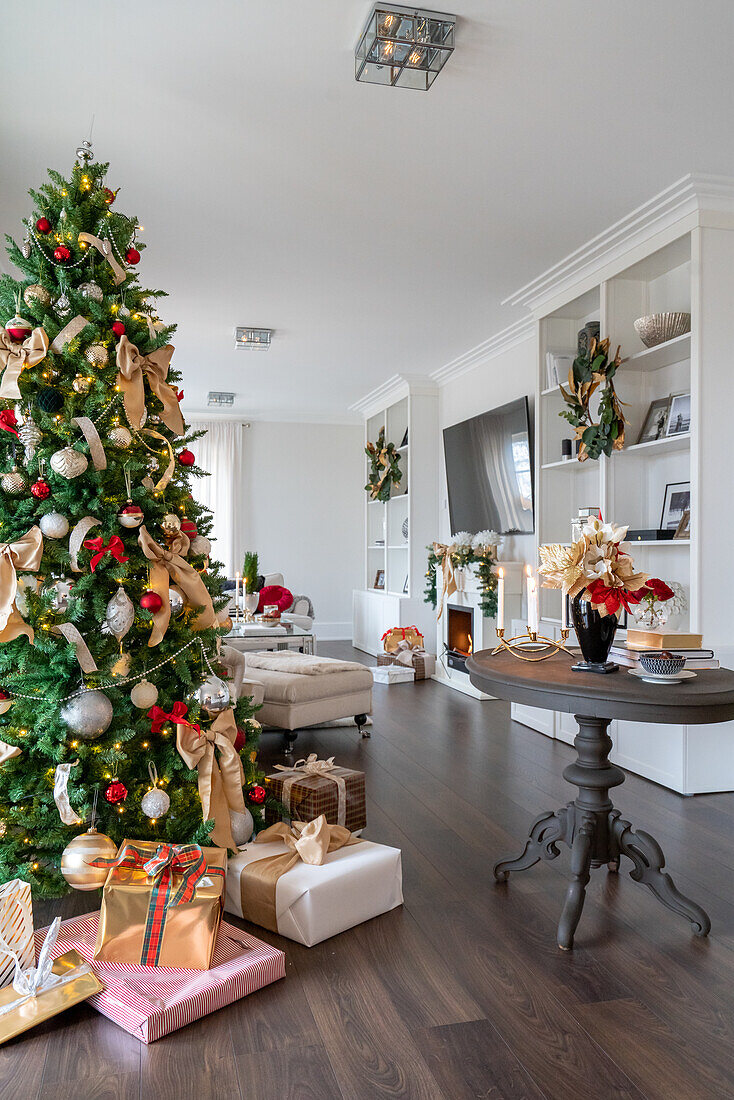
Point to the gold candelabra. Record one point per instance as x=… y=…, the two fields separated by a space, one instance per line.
x=541 y=647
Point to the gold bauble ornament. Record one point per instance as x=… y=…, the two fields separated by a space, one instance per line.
x=78 y=854
x=13 y=483
x=120 y=437
x=35 y=294
x=171 y=524
x=96 y=354
x=81 y=384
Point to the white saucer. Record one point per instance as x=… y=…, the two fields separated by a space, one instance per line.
x=668 y=678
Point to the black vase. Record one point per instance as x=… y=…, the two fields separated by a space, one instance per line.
x=595 y=634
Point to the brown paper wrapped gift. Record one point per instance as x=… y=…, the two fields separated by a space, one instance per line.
x=161 y=905
x=313 y=787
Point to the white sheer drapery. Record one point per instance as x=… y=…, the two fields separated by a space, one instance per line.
x=221 y=452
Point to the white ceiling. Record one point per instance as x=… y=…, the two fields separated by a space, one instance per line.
x=375 y=229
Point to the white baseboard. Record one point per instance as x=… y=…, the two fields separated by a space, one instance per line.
x=333 y=632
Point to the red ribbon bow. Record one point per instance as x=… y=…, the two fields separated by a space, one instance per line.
x=186 y=860
x=115 y=547
x=8 y=421
x=178 y=714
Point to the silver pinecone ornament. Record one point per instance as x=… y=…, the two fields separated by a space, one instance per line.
x=30 y=435
x=63 y=305
x=25 y=248
x=120 y=614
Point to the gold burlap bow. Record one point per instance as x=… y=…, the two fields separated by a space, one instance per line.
x=132 y=366
x=313 y=766
x=164 y=564
x=443 y=553
x=14 y=357
x=220 y=780
x=310 y=843
x=24 y=555
x=104 y=247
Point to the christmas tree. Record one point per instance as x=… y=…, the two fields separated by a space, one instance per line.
x=111 y=613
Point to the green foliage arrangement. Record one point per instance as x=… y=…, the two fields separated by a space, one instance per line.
x=250 y=571
x=384 y=468
x=590 y=370
x=464 y=551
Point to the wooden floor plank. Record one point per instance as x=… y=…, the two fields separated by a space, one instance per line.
x=293 y=1073
x=471 y=1060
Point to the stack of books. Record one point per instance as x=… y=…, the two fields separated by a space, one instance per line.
x=627 y=652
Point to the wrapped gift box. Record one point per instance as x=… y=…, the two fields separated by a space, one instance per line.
x=312 y=903
x=150 y=1003
x=393 y=674
x=182 y=935
x=306 y=794
x=16 y=928
x=422 y=663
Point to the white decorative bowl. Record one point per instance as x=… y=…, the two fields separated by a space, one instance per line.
x=657 y=328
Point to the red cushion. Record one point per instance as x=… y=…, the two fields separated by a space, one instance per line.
x=274 y=594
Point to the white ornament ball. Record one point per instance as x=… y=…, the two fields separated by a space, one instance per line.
x=53 y=525
x=91 y=291
x=79 y=853
x=242 y=826
x=87 y=715
x=200 y=545
x=144 y=695
x=96 y=354
x=68 y=463
x=213 y=695
x=120 y=438
x=155 y=803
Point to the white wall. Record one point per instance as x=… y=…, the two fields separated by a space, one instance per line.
x=304 y=511
x=495 y=381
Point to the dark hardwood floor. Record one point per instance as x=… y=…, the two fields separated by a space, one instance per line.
x=462 y=993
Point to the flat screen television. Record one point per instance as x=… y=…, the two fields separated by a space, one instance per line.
x=489 y=471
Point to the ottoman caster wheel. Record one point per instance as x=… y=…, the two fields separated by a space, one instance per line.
x=613 y=866
x=361 y=720
x=289 y=740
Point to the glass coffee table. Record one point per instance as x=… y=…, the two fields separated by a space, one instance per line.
x=250 y=636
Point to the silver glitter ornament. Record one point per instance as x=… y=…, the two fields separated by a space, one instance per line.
x=123 y=311
x=200 y=545
x=25 y=248
x=35 y=294
x=53 y=525
x=63 y=305
x=242 y=826
x=120 y=613
x=177 y=602
x=120 y=438
x=213 y=695
x=91 y=291
x=96 y=354
x=30 y=435
x=68 y=463
x=155 y=803
x=84 y=152
x=13 y=483
x=87 y=715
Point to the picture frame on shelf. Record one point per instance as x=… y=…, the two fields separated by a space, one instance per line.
x=404 y=442
x=683 y=530
x=557 y=366
x=405 y=585
x=676 y=501
x=679 y=414
x=379 y=579
x=656 y=422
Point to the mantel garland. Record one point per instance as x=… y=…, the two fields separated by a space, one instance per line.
x=384 y=468
x=481 y=551
x=590 y=370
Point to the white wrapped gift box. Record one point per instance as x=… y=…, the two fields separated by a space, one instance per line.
x=392 y=674
x=312 y=904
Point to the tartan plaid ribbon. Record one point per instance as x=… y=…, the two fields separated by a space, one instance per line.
x=186 y=860
x=115 y=547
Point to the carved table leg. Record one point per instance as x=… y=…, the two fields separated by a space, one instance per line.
x=648 y=859
x=544 y=832
x=581 y=850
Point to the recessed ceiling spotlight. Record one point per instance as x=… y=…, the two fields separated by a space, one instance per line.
x=252 y=339
x=404 y=47
x=219 y=399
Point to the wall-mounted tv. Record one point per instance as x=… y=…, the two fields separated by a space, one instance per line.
x=489 y=471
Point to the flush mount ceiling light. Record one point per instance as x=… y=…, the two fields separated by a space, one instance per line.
x=252 y=339
x=219 y=399
x=404 y=47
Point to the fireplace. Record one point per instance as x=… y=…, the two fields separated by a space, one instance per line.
x=459 y=635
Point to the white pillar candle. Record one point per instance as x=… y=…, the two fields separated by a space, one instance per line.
x=500 y=598
x=564 y=612
x=528 y=589
x=237 y=596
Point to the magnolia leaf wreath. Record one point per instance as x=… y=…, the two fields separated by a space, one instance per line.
x=384 y=468
x=591 y=370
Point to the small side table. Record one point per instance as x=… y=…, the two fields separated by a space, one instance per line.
x=593 y=829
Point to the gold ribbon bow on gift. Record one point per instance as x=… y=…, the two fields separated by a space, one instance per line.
x=165 y=564
x=132 y=366
x=220 y=780
x=24 y=555
x=443 y=553
x=405 y=651
x=308 y=843
x=313 y=766
x=14 y=357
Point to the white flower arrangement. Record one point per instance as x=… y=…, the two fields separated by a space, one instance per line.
x=483 y=539
x=462 y=540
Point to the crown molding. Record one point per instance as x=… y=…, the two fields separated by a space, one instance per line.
x=285 y=416
x=502 y=341
x=691 y=196
x=392 y=390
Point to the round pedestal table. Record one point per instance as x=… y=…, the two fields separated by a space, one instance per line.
x=593 y=829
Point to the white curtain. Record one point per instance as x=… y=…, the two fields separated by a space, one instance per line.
x=221 y=452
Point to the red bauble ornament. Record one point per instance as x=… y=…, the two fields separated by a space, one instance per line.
x=116 y=792
x=40 y=489
x=257 y=795
x=62 y=253
x=132 y=256
x=151 y=601
x=118 y=328
x=43 y=225
x=187 y=457
x=189 y=528
x=109 y=195
x=240 y=740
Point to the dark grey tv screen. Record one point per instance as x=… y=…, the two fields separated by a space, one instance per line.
x=489 y=471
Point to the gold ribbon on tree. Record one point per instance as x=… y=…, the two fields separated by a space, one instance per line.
x=15 y=356
x=104 y=247
x=132 y=366
x=24 y=555
x=164 y=564
x=159 y=486
x=308 y=842
x=443 y=553
x=220 y=780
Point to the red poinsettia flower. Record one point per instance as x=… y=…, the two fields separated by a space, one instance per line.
x=612 y=599
x=658 y=589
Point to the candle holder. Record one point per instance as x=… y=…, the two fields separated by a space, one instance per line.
x=538 y=644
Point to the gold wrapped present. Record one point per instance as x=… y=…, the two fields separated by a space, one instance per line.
x=161 y=905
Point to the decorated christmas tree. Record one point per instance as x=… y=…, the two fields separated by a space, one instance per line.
x=111 y=614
